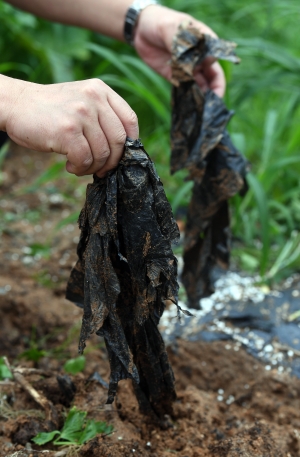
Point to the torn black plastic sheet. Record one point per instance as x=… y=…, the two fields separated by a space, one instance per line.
x=201 y=144
x=125 y=271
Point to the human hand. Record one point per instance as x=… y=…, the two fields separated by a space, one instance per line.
x=86 y=121
x=156 y=28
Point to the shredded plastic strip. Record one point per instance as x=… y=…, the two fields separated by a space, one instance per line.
x=201 y=144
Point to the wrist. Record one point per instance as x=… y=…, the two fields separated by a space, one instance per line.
x=10 y=91
x=132 y=18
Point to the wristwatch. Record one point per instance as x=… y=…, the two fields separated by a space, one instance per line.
x=132 y=16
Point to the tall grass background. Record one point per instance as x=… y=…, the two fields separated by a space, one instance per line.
x=264 y=91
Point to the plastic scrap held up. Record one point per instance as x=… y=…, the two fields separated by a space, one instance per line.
x=125 y=271
x=201 y=144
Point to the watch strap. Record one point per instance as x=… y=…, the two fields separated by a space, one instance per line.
x=132 y=16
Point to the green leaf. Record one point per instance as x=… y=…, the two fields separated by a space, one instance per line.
x=43 y=438
x=115 y=60
x=10 y=66
x=76 y=430
x=103 y=427
x=73 y=426
x=61 y=66
x=269 y=139
x=239 y=141
x=249 y=262
x=3 y=152
x=183 y=192
x=89 y=432
x=40 y=249
x=93 y=428
x=53 y=172
x=5 y=373
x=262 y=204
x=76 y=365
x=294 y=316
x=67 y=220
x=289 y=254
x=275 y=53
x=156 y=80
x=143 y=92
x=33 y=354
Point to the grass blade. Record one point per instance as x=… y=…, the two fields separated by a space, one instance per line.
x=263 y=210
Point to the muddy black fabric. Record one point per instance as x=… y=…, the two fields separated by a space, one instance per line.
x=125 y=271
x=201 y=144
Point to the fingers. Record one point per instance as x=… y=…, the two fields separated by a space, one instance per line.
x=211 y=76
x=122 y=123
x=216 y=78
x=80 y=158
x=126 y=115
x=106 y=123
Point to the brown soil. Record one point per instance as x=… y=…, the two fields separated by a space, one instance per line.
x=228 y=405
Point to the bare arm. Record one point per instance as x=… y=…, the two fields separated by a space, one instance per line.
x=103 y=16
x=86 y=120
x=153 y=39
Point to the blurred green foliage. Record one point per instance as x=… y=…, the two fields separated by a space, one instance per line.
x=5 y=373
x=74 y=366
x=264 y=91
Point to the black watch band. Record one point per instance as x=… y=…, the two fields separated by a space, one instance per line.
x=131 y=18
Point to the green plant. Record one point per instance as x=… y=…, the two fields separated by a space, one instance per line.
x=34 y=352
x=76 y=430
x=74 y=366
x=40 y=250
x=5 y=373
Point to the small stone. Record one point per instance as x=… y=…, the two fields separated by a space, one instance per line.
x=230 y=400
x=268 y=348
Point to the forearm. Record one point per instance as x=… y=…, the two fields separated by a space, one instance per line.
x=103 y=16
